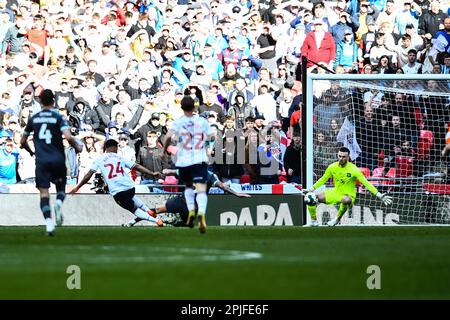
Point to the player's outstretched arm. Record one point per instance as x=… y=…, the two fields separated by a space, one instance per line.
x=387 y=200
x=83 y=181
x=320 y=182
x=144 y=170
x=226 y=188
x=169 y=172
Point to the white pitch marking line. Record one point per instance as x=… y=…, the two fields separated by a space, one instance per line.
x=177 y=254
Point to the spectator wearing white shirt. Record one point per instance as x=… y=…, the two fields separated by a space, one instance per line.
x=379 y=50
x=122 y=106
x=108 y=66
x=265 y=104
x=402 y=49
x=283 y=108
x=388 y=15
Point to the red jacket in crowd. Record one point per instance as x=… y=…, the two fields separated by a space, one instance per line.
x=326 y=52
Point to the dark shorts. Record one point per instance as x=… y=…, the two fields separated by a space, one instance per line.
x=125 y=199
x=178 y=205
x=50 y=172
x=197 y=173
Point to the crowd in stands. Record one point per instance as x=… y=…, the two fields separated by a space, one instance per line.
x=119 y=70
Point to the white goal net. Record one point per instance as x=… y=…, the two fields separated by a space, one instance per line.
x=395 y=127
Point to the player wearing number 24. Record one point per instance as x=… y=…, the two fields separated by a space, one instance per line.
x=49 y=128
x=345 y=175
x=120 y=185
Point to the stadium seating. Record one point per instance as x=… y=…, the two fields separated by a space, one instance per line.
x=425 y=143
x=170 y=180
x=419 y=118
x=437 y=188
x=365 y=172
x=245 y=179
x=381 y=157
x=404 y=166
x=378 y=173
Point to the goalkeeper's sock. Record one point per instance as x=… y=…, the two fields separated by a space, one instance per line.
x=144 y=215
x=342 y=209
x=312 y=212
x=139 y=204
x=189 y=195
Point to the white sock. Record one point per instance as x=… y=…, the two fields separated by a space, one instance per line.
x=202 y=202
x=49 y=225
x=189 y=194
x=138 y=203
x=144 y=215
x=132 y=222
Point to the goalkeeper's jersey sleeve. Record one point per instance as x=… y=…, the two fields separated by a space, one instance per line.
x=345 y=178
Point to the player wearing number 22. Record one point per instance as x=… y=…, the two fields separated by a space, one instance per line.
x=120 y=185
x=345 y=174
x=49 y=129
x=192 y=159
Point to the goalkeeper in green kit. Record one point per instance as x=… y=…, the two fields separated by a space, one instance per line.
x=345 y=174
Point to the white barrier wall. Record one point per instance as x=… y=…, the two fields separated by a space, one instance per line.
x=78 y=210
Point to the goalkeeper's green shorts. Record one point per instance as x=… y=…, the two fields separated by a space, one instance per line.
x=333 y=196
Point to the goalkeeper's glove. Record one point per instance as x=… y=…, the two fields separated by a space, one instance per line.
x=305 y=191
x=387 y=200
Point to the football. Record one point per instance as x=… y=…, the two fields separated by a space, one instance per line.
x=310 y=199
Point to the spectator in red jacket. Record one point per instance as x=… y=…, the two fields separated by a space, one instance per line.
x=319 y=46
x=116 y=15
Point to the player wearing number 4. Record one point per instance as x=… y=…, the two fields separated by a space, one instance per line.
x=345 y=174
x=120 y=185
x=49 y=129
x=192 y=159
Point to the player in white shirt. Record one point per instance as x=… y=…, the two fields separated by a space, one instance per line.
x=192 y=159
x=120 y=186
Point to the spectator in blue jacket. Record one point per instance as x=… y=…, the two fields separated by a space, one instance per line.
x=249 y=67
x=8 y=163
x=345 y=22
x=347 y=52
x=408 y=15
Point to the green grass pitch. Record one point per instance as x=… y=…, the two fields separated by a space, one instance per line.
x=225 y=263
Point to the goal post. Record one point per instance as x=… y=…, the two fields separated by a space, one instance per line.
x=395 y=127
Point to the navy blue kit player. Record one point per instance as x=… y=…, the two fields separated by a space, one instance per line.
x=49 y=128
